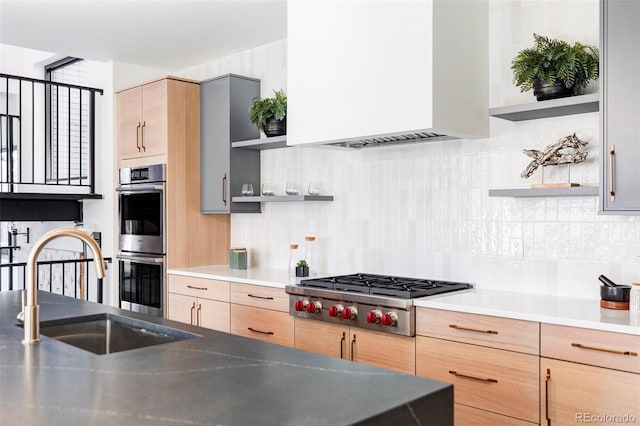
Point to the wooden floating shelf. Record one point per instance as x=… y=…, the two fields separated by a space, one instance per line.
x=262 y=143
x=577 y=191
x=281 y=198
x=552 y=108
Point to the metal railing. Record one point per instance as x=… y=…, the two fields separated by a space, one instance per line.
x=71 y=277
x=47 y=134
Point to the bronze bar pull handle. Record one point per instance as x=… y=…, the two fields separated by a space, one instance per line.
x=138 y=137
x=260 y=297
x=611 y=351
x=224 y=189
x=546 y=396
x=457 y=327
x=466 y=376
x=199 y=313
x=612 y=193
x=144 y=148
x=270 y=333
x=344 y=337
x=196 y=288
x=353 y=341
x=193 y=307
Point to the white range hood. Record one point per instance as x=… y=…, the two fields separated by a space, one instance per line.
x=369 y=73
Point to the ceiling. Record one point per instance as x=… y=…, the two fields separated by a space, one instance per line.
x=164 y=34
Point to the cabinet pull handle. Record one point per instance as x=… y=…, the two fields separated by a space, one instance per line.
x=270 y=333
x=138 y=137
x=224 y=189
x=260 y=297
x=199 y=314
x=353 y=341
x=196 y=288
x=611 y=351
x=144 y=149
x=612 y=152
x=455 y=373
x=546 y=396
x=344 y=337
x=457 y=327
x=193 y=307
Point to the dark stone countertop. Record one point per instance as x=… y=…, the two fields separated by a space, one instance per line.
x=219 y=379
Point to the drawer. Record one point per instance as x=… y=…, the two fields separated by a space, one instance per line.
x=469 y=416
x=485 y=330
x=262 y=324
x=260 y=296
x=499 y=381
x=594 y=347
x=199 y=287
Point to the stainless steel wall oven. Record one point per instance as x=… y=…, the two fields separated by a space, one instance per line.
x=142 y=238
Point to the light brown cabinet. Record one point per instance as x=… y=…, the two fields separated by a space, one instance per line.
x=365 y=346
x=200 y=302
x=143 y=118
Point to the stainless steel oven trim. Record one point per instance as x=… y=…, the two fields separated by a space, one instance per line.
x=135 y=243
x=148 y=260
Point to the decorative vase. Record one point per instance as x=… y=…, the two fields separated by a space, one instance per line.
x=302 y=271
x=275 y=127
x=544 y=91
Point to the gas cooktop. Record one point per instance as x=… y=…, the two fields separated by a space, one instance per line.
x=384 y=285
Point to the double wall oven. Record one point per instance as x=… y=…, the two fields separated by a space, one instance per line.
x=142 y=238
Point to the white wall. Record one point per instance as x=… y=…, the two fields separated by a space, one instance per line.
x=425 y=211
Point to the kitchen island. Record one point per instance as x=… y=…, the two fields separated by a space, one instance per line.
x=215 y=379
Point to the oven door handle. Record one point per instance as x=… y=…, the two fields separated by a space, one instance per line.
x=138 y=188
x=141 y=258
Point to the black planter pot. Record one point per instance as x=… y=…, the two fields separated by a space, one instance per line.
x=544 y=91
x=275 y=127
x=302 y=271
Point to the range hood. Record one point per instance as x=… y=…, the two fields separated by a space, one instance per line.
x=386 y=72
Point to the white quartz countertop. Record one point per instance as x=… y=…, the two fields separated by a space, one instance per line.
x=584 y=313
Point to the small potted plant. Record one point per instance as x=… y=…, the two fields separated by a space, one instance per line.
x=554 y=68
x=302 y=269
x=270 y=114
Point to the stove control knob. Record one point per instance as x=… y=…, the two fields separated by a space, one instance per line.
x=350 y=313
x=314 y=307
x=336 y=310
x=373 y=317
x=389 y=319
x=300 y=305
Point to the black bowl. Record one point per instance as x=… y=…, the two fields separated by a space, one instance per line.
x=618 y=293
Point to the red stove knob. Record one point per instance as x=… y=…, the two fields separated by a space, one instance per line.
x=389 y=319
x=314 y=307
x=335 y=310
x=300 y=305
x=373 y=317
x=350 y=313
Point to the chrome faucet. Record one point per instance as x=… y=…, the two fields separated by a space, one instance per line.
x=30 y=310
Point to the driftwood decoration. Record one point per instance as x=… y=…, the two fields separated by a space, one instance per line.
x=564 y=151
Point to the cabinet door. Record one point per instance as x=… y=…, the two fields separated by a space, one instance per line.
x=322 y=337
x=574 y=393
x=620 y=108
x=383 y=350
x=129 y=123
x=213 y=314
x=154 y=118
x=181 y=308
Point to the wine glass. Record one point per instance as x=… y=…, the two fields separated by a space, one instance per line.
x=291 y=189
x=267 y=189
x=247 y=189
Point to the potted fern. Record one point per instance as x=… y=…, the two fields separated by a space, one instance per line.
x=269 y=114
x=554 y=68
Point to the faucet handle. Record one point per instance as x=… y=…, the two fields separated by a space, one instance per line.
x=20 y=316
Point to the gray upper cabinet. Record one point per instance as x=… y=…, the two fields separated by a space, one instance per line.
x=224 y=119
x=620 y=106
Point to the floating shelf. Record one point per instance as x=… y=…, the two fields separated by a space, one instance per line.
x=262 y=143
x=551 y=108
x=281 y=198
x=577 y=191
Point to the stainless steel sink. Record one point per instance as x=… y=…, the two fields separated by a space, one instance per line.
x=108 y=333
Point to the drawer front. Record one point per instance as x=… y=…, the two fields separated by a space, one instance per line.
x=499 y=381
x=260 y=296
x=469 y=416
x=199 y=287
x=262 y=324
x=485 y=330
x=593 y=347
